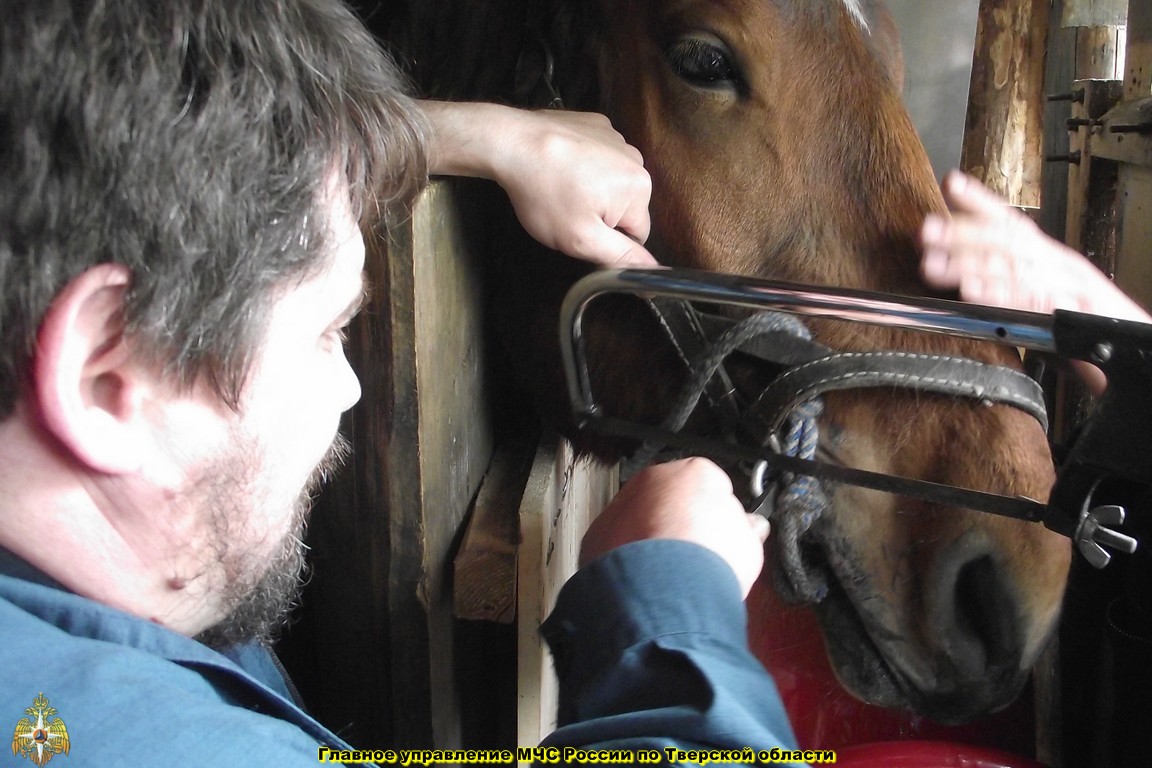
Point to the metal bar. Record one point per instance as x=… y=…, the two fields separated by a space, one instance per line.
x=1017 y=507
x=1003 y=326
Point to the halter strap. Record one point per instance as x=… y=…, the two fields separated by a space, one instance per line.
x=785 y=414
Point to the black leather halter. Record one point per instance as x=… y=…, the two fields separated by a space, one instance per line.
x=783 y=418
x=704 y=340
x=807 y=370
x=810 y=369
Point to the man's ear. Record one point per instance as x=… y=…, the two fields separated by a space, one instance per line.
x=88 y=386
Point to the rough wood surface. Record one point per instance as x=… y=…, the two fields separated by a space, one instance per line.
x=485 y=567
x=562 y=497
x=1092 y=181
x=1093 y=13
x=1098 y=52
x=438 y=445
x=1138 y=53
x=377 y=620
x=1002 y=144
x=1134 y=150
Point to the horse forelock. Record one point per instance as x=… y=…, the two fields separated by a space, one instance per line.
x=859 y=11
x=856 y=11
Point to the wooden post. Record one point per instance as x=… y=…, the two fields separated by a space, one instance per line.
x=1002 y=144
x=378 y=617
x=1091 y=180
x=1059 y=73
x=1138 y=56
x=563 y=496
x=484 y=585
x=1134 y=150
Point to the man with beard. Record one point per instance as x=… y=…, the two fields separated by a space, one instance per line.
x=179 y=254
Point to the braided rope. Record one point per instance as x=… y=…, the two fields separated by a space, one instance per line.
x=800 y=503
x=704 y=368
x=801 y=500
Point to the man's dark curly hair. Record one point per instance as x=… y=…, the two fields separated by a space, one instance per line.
x=194 y=142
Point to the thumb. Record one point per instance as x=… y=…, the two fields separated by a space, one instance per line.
x=760 y=526
x=614 y=249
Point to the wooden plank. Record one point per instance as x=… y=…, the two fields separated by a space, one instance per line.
x=1091 y=182
x=377 y=617
x=1134 y=195
x=1060 y=72
x=1121 y=138
x=1003 y=139
x=1134 y=260
x=563 y=495
x=1138 y=53
x=1094 y=13
x=1098 y=53
x=485 y=567
x=453 y=445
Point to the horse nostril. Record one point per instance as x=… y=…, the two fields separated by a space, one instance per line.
x=983 y=615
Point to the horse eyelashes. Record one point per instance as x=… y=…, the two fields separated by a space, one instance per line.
x=702 y=62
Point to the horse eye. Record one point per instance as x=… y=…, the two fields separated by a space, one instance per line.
x=702 y=63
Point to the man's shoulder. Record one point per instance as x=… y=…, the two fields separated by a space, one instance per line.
x=124 y=705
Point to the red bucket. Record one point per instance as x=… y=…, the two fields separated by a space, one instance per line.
x=825 y=716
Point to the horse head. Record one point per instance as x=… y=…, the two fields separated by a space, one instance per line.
x=779 y=147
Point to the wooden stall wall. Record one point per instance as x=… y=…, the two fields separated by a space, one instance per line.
x=408 y=634
x=375 y=648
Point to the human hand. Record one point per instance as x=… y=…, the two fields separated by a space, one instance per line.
x=994 y=254
x=576 y=185
x=689 y=500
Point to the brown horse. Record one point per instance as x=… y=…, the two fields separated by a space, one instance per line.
x=779 y=147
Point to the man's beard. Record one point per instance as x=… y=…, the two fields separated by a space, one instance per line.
x=259 y=601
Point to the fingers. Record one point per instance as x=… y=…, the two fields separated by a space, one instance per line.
x=596 y=241
x=964 y=247
x=761 y=528
x=634 y=219
x=987 y=250
x=993 y=254
x=614 y=249
x=577 y=186
x=966 y=194
x=616 y=238
x=937 y=266
x=687 y=500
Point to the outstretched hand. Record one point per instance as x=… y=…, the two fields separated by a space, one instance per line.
x=994 y=254
x=577 y=186
x=689 y=500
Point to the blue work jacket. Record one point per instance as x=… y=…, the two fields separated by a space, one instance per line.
x=649 y=644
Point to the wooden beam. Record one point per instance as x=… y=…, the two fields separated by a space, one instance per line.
x=1099 y=53
x=1094 y=13
x=564 y=494
x=436 y=441
x=377 y=619
x=1138 y=55
x=1059 y=73
x=1091 y=185
x=484 y=581
x=1134 y=150
x=1003 y=139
